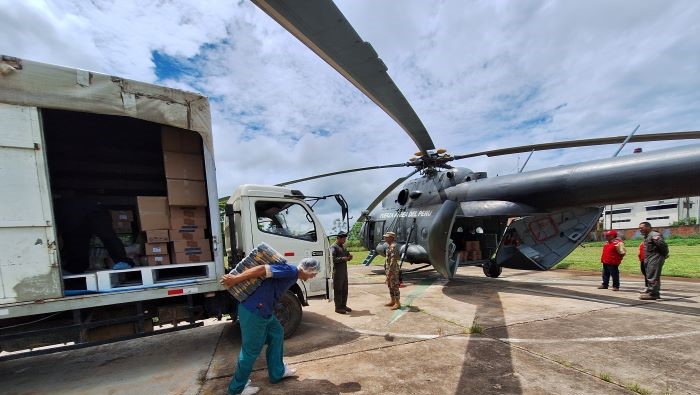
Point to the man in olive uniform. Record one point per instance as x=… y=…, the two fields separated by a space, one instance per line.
x=655 y=254
x=392 y=270
x=341 y=256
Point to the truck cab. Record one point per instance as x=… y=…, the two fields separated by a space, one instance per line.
x=281 y=218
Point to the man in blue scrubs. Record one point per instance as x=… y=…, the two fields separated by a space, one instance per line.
x=259 y=326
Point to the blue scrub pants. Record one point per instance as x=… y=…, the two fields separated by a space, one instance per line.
x=256 y=332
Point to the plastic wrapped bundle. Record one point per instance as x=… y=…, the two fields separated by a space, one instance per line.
x=263 y=254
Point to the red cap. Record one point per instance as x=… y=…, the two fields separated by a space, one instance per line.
x=612 y=233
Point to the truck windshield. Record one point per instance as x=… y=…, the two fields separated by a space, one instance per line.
x=285 y=219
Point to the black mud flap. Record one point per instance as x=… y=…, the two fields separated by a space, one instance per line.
x=541 y=241
x=439 y=237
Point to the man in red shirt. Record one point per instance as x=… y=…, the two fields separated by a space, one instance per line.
x=613 y=252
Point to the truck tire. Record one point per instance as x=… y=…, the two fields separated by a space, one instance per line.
x=288 y=312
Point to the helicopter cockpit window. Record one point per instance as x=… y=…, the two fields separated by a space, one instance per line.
x=403 y=197
x=285 y=219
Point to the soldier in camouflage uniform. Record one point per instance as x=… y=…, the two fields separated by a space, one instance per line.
x=392 y=270
x=655 y=254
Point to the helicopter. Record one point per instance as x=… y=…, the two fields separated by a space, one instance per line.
x=451 y=216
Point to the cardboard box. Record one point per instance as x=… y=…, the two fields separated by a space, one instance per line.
x=186 y=193
x=180 y=140
x=186 y=233
x=182 y=257
x=191 y=251
x=157 y=236
x=156 y=260
x=187 y=216
x=154 y=212
x=191 y=246
x=156 y=248
x=122 y=215
x=185 y=258
x=121 y=220
x=183 y=166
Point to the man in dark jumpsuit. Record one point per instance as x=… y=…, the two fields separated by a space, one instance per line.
x=340 y=256
x=77 y=219
x=655 y=254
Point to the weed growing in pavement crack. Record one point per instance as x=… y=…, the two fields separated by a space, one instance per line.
x=476 y=328
x=634 y=387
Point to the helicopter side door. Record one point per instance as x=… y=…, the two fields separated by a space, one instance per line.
x=541 y=241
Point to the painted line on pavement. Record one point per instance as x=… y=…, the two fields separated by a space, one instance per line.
x=422 y=286
x=376 y=333
x=602 y=339
x=516 y=340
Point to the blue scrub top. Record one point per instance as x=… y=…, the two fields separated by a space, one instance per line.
x=280 y=278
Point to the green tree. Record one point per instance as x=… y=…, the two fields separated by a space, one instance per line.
x=354 y=237
x=337 y=227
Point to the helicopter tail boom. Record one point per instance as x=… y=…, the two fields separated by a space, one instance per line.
x=648 y=176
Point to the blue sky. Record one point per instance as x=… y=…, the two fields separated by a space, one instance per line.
x=480 y=74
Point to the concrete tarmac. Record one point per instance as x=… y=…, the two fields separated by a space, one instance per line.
x=523 y=333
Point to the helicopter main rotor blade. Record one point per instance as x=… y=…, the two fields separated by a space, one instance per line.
x=323 y=28
x=585 y=142
x=335 y=173
x=384 y=193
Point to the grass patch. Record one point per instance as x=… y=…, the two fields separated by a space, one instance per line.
x=605 y=376
x=683 y=262
x=359 y=255
x=634 y=387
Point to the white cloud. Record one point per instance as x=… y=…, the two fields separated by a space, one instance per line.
x=479 y=74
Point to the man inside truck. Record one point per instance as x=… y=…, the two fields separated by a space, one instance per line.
x=259 y=326
x=77 y=219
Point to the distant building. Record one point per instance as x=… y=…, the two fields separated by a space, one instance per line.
x=657 y=212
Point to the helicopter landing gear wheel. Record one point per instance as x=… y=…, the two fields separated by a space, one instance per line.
x=491 y=269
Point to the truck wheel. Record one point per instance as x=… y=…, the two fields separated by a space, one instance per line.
x=288 y=312
x=491 y=269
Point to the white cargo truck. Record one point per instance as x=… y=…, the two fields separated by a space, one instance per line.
x=145 y=153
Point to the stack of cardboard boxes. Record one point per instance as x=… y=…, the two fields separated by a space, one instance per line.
x=471 y=252
x=187 y=196
x=187 y=234
x=154 y=218
x=175 y=225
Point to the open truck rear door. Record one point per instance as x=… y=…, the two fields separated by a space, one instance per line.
x=29 y=267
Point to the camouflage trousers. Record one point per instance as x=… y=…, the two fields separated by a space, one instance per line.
x=392 y=281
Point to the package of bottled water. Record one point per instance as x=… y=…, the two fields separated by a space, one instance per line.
x=263 y=254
